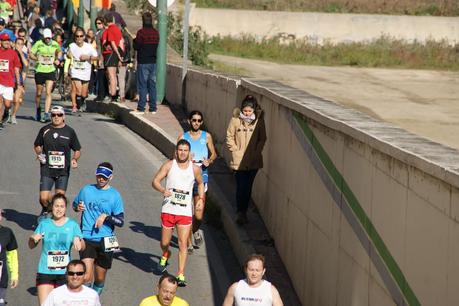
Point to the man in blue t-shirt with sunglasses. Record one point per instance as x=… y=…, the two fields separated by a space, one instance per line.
x=102 y=209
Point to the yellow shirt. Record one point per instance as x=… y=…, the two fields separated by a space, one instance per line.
x=153 y=301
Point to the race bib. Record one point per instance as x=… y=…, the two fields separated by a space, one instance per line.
x=46 y=59
x=58 y=260
x=180 y=197
x=56 y=159
x=111 y=244
x=80 y=65
x=4 y=65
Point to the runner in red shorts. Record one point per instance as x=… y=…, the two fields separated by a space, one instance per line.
x=180 y=174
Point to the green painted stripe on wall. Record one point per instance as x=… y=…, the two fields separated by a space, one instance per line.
x=359 y=212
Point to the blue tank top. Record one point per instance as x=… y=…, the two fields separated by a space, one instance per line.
x=199 y=151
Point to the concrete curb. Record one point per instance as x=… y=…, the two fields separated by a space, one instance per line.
x=165 y=143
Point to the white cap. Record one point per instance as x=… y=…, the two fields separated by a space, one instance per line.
x=47 y=33
x=57 y=109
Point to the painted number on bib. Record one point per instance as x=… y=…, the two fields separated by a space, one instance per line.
x=79 y=65
x=4 y=65
x=56 y=159
x=46 y=59
x=111 y=244
x=181 y=197
x=58 y=260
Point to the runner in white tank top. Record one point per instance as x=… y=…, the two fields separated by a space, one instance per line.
x=180 y=175
x=254 y=290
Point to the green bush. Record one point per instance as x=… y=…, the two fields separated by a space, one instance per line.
x=198 y=47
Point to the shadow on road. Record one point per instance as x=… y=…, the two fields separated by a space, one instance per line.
x=24 y=220
x=31 y=118
x=152 y=232
x=143 y=261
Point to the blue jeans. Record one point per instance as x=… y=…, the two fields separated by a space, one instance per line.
x=146 y=84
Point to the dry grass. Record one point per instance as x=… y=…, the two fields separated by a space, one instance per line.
x=398 y=7
x=384 y=52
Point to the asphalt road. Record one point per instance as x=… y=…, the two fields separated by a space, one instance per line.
x=210 y=269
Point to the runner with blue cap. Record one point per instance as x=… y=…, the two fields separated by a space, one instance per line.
x=102 y=209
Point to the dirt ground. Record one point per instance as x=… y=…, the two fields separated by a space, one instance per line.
x=420 y=101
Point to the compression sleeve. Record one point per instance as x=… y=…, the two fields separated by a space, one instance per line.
x=13 y=264
x=67 y=63
x=117 y=220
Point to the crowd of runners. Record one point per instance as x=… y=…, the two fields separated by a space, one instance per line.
x=47 y=49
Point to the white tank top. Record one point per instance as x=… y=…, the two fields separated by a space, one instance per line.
x=180 y=182
x=247 y=296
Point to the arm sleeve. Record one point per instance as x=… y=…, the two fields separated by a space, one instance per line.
x=67 y=63
x=116 y=220
x=13 y=264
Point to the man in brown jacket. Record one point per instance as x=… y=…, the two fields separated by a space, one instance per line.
x=245 y=138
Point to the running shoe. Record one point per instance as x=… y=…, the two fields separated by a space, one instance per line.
x=13 y=120
x=190 y=249
x=197 y=238
x=163 y=262
x=10 y=119
x=181 y=281
x=43 y=215
x=47 y=117
x=1 y=125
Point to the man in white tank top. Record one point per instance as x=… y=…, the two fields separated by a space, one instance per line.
x=254 y=290
x=180 y=174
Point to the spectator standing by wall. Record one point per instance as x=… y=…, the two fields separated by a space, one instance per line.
x=101 y=80
x=245 y=138
x=119 y=21
x=146 y=44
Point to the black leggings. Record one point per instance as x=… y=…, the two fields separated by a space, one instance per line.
x=244 y=183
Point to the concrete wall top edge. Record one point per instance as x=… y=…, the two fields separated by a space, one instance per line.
x=433 y=158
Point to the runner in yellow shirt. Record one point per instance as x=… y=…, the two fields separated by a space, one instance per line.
x=167 y=288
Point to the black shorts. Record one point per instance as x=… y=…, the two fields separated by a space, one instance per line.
x=111 y=60
x=55 y=280
x=47 y=182
x=82 y=81
x=42 y=77
x=96 y=251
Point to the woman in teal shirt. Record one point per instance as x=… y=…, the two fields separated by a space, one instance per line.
x=57 y=234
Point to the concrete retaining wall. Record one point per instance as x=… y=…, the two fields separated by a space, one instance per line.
x=320 y=27
x=362 y=213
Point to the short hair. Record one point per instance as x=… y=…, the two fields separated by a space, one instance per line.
x=58 y=196
x=195 y=112
x=109 y=17
x=147 y=19
x=79 y=29
x=105 y=165
x=170 y=278
x=254 y=257
x=183 y=142
x=249 y=101
x=22 y=30
x=76 y=262
x=20 y=38
x=113 y=7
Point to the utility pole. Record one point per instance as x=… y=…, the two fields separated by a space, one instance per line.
x=186 y=22
x=80 y=14
x=162 y=51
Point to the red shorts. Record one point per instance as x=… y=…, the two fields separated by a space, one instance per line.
x=169 y=220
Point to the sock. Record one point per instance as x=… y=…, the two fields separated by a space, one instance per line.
x=78 y=101
x=98 y=288
x=166 y=254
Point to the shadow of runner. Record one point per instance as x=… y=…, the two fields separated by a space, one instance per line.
x=24 y=220
x=142 y=261
x=151 y=232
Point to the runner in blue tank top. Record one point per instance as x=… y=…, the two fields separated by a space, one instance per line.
x=201 y=145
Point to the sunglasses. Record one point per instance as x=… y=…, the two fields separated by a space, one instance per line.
x=98 y=22
x=79 y=36
x=57 y=115
x=72 y=273
x=196 y=120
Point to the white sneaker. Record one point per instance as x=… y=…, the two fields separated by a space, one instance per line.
x=13 y=120
x=198 y=238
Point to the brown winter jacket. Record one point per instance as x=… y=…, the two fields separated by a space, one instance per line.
x=246 y=141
